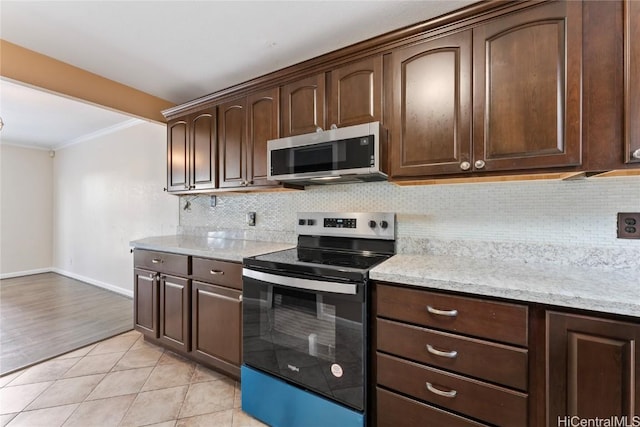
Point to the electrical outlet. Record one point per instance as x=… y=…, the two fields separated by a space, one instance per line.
x=251 y=218
x=628 y=225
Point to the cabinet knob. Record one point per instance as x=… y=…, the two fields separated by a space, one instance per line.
x=186 y=187
x=217 y=272
x=164 y=189
x=334 y=126
x=152 y=275
x=319 y=129
x=157 y=261
x=636 y=154
x=479 y=164
x=465 y=166
x=240 y=298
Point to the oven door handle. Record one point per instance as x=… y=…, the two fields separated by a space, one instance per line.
x=307 y=284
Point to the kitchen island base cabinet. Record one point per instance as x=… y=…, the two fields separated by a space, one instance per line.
x=593 y=367
x=216 y=320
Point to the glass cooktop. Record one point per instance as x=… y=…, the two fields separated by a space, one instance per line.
x=319 y=263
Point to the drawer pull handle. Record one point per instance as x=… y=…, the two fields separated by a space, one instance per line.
x=156 y=261
x=217 y=272
x=432 y=389
x=448 y=313
x=450 y=354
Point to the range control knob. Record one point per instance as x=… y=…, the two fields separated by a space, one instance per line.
x=302 y=222
x=384 y=224
x=311 y=222
x=372 y=224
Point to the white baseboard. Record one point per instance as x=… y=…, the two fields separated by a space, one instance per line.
x=98 y=283
x=26 y=273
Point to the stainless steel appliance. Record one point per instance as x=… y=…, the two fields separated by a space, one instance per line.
x=305 y=321
x=349 y=154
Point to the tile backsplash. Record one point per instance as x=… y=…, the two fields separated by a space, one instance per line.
x=565 y=222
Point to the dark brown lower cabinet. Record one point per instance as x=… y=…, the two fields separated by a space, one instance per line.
x=190 y=305
x=395 y=410
x=593 y=368
x=216 y=321
x=145 y=297
x=174 y=311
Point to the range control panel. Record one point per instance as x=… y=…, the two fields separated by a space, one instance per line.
x=374 y=225
x=340 y=222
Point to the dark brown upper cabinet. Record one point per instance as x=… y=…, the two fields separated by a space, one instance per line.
x=245 y=126
x=355 y=93
x=519 y=97
x=527 y=89
x=264 y=124
x=191 y=152
x=232 y=137
x=431 y=131
x=303 y=105
x=632 y=80
x=593 y=367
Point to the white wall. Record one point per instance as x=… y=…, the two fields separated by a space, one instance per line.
x=26 y=208
x=107 y=192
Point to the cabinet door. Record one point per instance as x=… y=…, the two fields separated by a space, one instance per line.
x=203 y=156
x=356 y=93
x=232 y=143
x=174 y=311
x=263 y=124
x=303 y=106
x=431 y=131
x=632 y=80
x=216 y=319
x=145 y=302
x=527 y=89
x=177 y=155
x=593 y=369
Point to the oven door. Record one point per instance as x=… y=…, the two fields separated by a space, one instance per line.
x=309 y=332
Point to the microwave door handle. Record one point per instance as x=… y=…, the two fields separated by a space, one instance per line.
x=306 y=284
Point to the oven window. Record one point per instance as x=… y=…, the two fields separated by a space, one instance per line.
x=315 y=340
x=303 y=320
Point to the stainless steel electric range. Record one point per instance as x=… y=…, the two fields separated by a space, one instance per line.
x=305 y=321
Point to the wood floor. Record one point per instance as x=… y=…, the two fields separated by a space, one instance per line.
x=46 y=315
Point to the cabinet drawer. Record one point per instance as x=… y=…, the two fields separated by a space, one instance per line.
x=496 y=321
x=394 y=410
x=489 y=361
x=162 y=261
x=219 y=272
x=477 y=399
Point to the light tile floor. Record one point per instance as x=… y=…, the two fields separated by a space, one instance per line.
x=123 y=381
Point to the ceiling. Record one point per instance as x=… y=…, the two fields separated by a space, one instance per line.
x=180 y=50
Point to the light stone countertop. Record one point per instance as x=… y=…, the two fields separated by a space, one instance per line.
x=209 y=247
x=616 y=292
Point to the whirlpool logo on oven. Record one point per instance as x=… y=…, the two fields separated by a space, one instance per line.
x=293 y=368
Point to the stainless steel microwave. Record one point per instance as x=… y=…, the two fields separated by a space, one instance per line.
x=349 y=154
